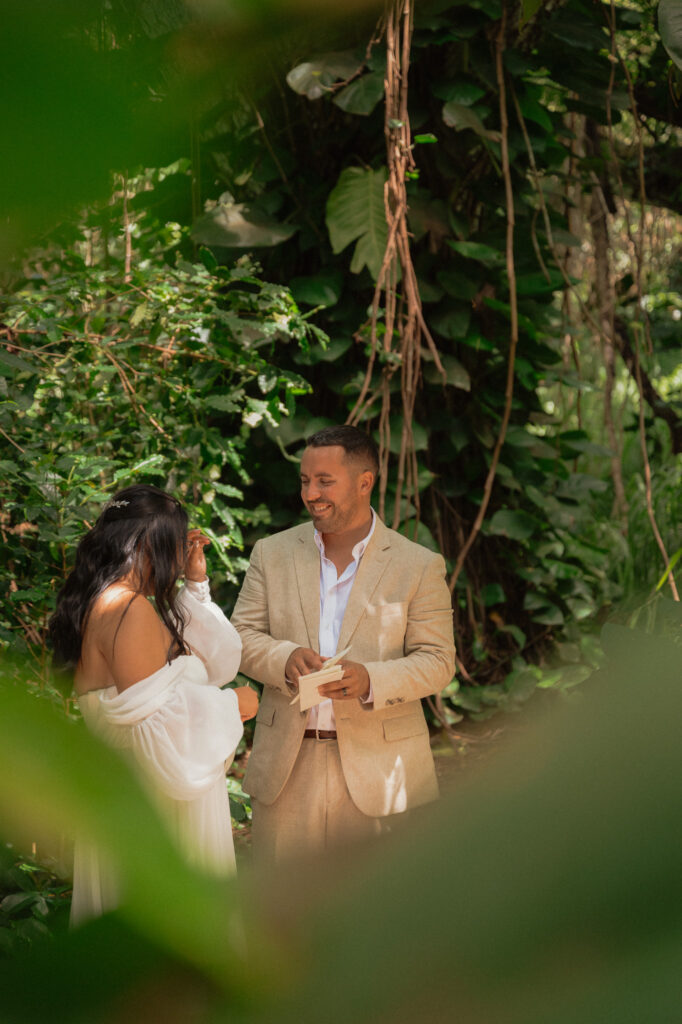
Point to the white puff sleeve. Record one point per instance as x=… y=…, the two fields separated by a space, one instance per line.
x=209 y=633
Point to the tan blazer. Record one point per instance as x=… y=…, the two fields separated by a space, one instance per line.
x=399 y=622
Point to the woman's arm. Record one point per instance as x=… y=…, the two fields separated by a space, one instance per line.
x=207 y=631
x=209 y=634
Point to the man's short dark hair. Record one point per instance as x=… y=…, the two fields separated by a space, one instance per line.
x=358 y=445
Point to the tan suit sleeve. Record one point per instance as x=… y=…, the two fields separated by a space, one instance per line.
x=429 y=662
x=263 y=657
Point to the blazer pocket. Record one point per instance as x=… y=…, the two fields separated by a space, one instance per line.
x=403 y=727
x=265 y=716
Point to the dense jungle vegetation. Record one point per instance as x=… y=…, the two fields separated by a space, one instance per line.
x=457 y=224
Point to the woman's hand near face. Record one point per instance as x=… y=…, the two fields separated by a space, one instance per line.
x=248 y=702
x=195 y=560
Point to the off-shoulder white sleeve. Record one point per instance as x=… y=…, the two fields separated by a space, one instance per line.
x=181 y=731
x=209 y=633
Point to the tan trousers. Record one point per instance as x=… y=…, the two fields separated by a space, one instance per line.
x=313 y=812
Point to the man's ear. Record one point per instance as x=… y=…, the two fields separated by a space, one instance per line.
x=366 y=482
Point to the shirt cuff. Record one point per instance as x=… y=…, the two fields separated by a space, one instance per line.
x=200 y=590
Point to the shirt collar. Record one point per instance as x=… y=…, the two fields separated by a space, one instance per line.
x=359 y=549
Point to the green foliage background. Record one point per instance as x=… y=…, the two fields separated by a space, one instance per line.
x=141 y=338
x=195 y=222
x=108 y=377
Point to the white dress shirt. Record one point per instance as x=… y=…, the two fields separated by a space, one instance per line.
x=334 y=593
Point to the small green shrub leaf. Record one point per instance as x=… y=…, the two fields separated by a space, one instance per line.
x=362 y=95
x=513 y=523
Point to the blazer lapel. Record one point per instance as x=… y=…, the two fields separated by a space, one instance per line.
x=371 y=568
x=307 y=564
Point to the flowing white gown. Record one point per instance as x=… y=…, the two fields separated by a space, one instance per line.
x=182 y=730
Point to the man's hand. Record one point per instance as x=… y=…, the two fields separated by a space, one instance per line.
x=299 y=663
x=247 y=699
x=195 y=562
x=353 y=685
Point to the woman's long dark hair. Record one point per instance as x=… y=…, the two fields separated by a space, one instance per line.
x=142 y=529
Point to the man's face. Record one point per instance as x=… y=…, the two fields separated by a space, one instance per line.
x=333 y=490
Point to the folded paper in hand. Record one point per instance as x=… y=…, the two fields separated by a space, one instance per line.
x=308 y=684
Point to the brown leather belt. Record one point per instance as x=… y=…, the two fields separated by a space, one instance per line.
x=321 y=734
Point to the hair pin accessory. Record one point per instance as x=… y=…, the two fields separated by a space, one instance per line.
x=118 y=504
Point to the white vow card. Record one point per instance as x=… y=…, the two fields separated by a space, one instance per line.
x=308 y=684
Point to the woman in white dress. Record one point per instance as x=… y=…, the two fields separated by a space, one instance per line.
x=148 y=676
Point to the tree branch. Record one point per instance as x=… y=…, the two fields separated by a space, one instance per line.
x=658 y=407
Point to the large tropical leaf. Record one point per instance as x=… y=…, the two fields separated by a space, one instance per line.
x=315 y=77
x=460 y=116
x=591 y=860
x=670 y=27
x=55 y=776
x=236 y=226
x=355 y=213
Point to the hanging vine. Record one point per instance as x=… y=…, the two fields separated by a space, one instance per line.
x=396 y=295
x=513 y=302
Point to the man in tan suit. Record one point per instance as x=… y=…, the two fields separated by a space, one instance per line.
x=336 y=771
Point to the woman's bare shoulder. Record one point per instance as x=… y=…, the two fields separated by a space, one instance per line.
x=115 y=599
x=129 y=634
x=120 y=608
